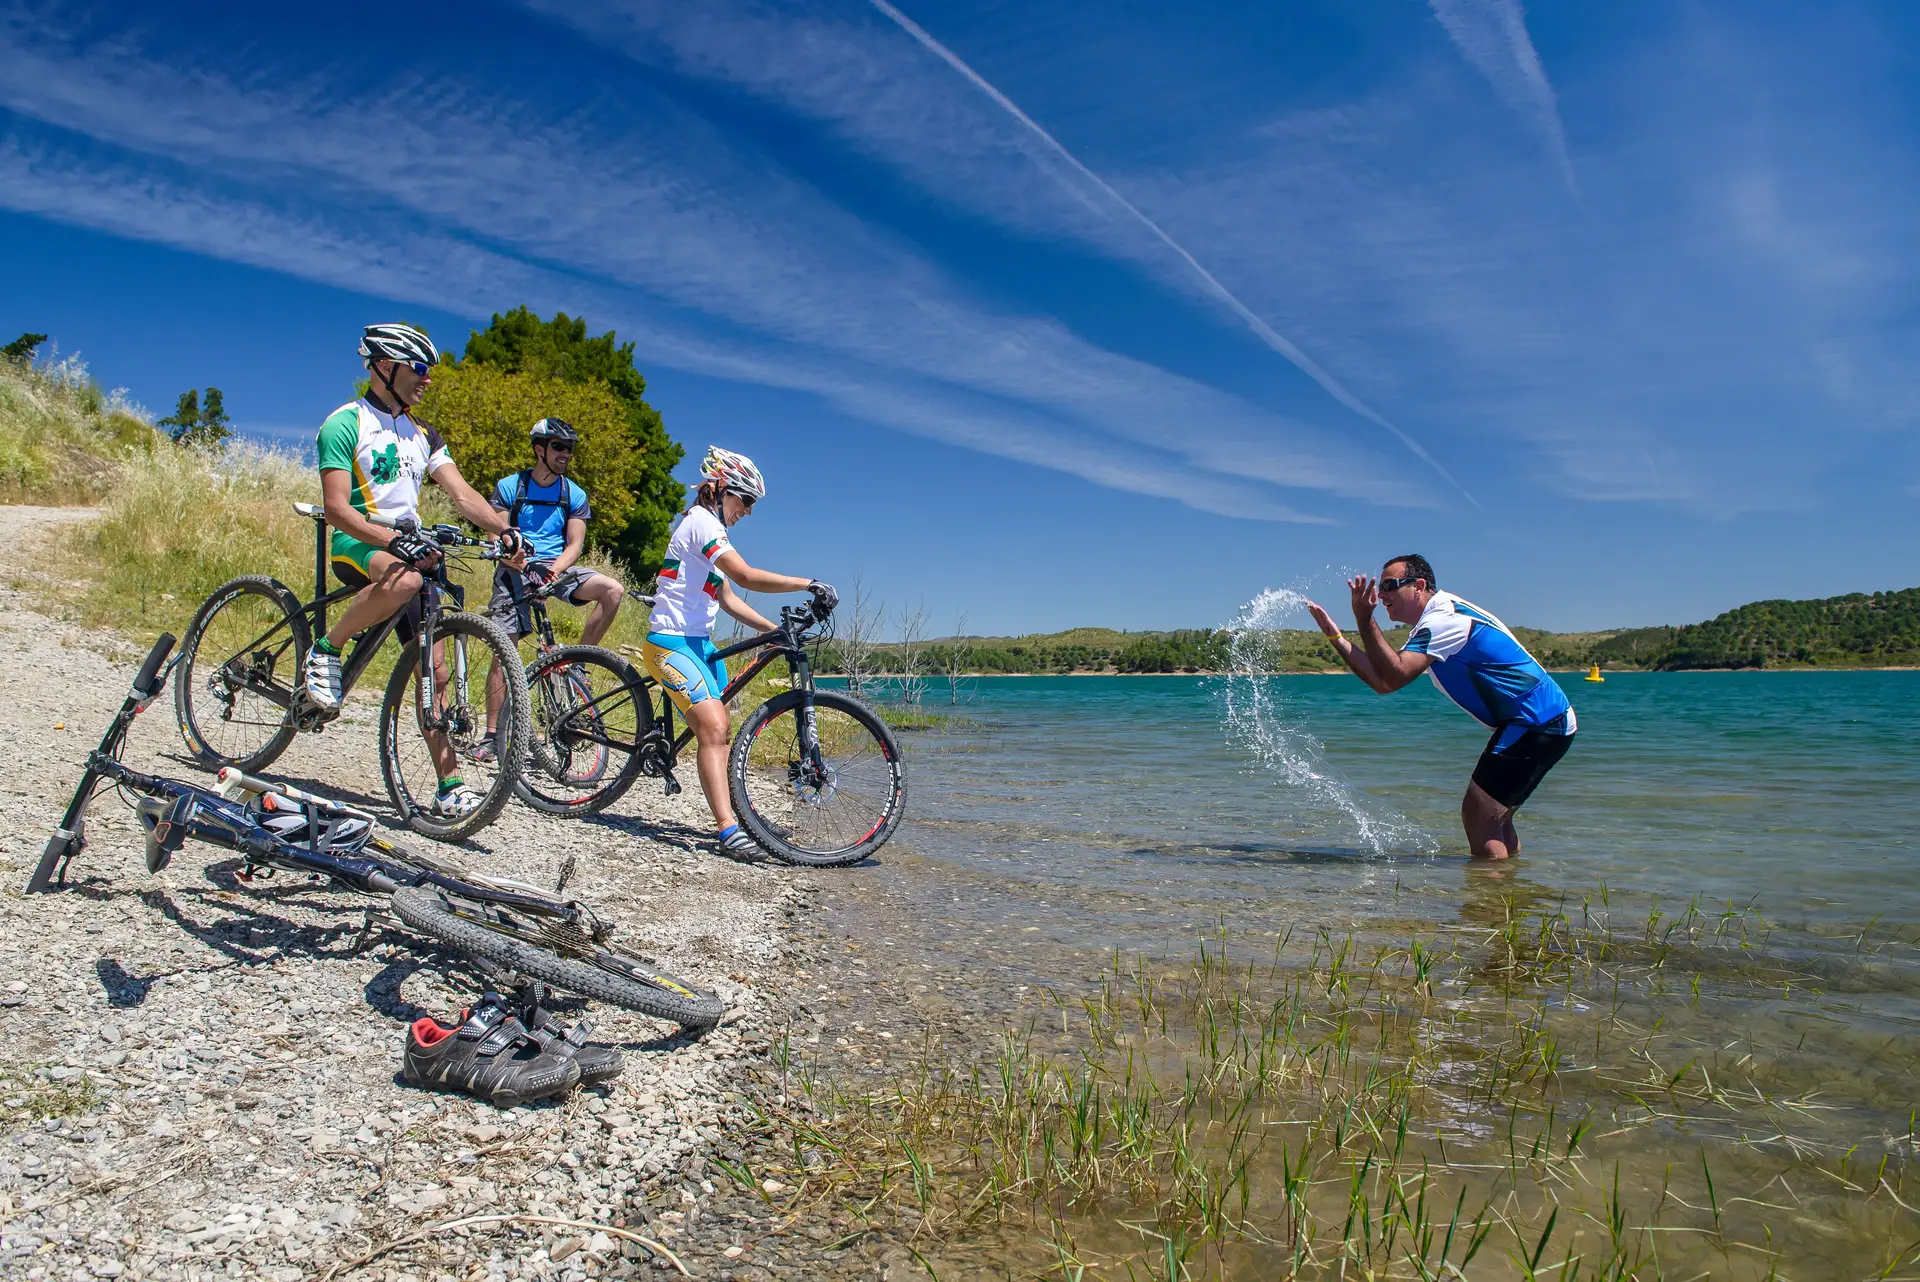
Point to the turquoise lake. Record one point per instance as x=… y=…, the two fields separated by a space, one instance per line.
x=1132 y=811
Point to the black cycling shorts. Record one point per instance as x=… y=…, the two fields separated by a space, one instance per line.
x=1516 y=760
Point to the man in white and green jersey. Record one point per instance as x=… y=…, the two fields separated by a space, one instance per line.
x=373 y=459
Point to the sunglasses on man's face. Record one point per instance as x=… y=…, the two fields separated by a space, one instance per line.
x=420 y=368
x=1393 y=585
x=555 y=447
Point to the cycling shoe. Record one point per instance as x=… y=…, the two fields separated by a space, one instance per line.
x=491 y=1055
x=323 y=679
x=456 y=803
x=597 y=1063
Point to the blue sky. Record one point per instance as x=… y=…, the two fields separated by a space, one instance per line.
x=1067 y=314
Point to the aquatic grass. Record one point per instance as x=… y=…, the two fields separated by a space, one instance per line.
x=1388 y=1109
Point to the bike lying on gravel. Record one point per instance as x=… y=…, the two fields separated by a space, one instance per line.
x=241 y=698
x=514 y=930
x=815 y=775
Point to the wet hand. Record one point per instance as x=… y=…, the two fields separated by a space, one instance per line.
x=1324 y=621
x=1366 y=595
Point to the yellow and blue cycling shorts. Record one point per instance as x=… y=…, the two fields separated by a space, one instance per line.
x=685 y=666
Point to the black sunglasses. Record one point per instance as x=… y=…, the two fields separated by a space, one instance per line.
x=1389 y=585
x=565 y=447
x=746 y=500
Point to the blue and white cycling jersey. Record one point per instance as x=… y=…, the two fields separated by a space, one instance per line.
x=1484 y=669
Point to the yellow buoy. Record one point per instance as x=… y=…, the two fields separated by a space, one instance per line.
x=1593 y=673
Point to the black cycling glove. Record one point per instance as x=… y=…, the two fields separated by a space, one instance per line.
x=824 y=596
x=512 y=542
x=411 y=548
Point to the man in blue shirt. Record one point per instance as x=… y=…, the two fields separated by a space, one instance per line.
x=551 y=512
x=1479 y=664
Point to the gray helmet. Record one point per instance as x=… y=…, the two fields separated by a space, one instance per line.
x=548 y=430
x=397 y=342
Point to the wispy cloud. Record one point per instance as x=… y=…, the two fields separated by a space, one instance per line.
x=1492 y=35
x=1264 y=331
x=735 y=269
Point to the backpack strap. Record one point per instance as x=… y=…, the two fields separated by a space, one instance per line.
x=524 y=481
x=521 y=482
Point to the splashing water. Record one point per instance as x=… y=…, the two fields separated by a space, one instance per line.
x=1255 y=721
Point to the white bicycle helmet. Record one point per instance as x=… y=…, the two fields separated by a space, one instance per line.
x=397 y=342
x=734 y=471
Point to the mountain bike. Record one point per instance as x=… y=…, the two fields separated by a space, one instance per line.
x=575 y=774
x=513 y=930
x=815 y=775
x=241 y=697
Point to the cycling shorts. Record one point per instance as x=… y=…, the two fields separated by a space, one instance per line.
x=685 y=667
x=344 y=549
x=352 y=565
x=1516 y=759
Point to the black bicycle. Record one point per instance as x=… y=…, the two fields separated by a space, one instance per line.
x=577 y=773
x=241 y=697
x=815 y=775
x=514 y=930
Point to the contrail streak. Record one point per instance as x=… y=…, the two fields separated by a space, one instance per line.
x=1278 y=342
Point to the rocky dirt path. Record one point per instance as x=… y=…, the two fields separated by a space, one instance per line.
x=198 y=1080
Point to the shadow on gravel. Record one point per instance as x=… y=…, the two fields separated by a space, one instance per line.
x=123 y=989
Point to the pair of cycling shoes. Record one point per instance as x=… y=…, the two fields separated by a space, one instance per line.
x=506 y=1054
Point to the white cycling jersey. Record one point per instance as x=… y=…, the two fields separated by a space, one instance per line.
x=687 y=594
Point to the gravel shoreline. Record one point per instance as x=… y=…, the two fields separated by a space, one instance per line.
x=200 y=1080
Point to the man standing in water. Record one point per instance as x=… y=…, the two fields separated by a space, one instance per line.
x=1479 y=664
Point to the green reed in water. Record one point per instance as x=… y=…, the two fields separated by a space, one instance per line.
x=1541 y=1093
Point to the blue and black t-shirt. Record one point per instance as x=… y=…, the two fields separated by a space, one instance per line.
x=544 y=511
x=1482 y=667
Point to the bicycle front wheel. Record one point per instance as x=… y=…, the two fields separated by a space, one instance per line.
x=557 y=952
x=590 y=711
x=239 y=666
x=822 y=807
x=422 y=745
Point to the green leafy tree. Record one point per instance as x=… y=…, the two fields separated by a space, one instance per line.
x=20 y=351
x=185 y=416
x=520 y=342
x=193 y=423
x=483 y=412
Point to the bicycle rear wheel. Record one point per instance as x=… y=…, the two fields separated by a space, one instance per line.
x=590 y=710
x=836 y=808
x=238 y=669
x=411 y=762
x=557 y=952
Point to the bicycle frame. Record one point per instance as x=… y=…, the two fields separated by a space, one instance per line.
x=365 y=644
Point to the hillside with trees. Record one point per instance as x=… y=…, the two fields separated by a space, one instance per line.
x=1860 y=630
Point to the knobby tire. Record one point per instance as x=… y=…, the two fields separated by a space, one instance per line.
x=399 y=715
x=198 y=708
x=548 y=783
x=430 y=912
x=771 y=829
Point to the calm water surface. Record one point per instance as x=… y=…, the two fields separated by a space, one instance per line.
x=1129 y=811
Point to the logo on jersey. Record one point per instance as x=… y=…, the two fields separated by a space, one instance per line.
x=384 y=468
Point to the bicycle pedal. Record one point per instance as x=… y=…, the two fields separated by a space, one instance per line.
x=672 y=785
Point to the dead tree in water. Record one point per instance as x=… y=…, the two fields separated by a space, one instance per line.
x=955 y=662
x=913 y=653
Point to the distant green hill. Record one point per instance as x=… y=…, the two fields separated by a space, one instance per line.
x=1881 y=629
x=1861 y=630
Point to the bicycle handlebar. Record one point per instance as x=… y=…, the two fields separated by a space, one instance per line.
x=148 y=683
x=445 y=536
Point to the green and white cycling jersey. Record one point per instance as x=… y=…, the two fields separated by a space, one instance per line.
x=390 y=458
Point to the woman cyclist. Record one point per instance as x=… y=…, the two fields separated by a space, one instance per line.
x=696 y=583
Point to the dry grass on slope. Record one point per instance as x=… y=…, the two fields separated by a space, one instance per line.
x=64 y=441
